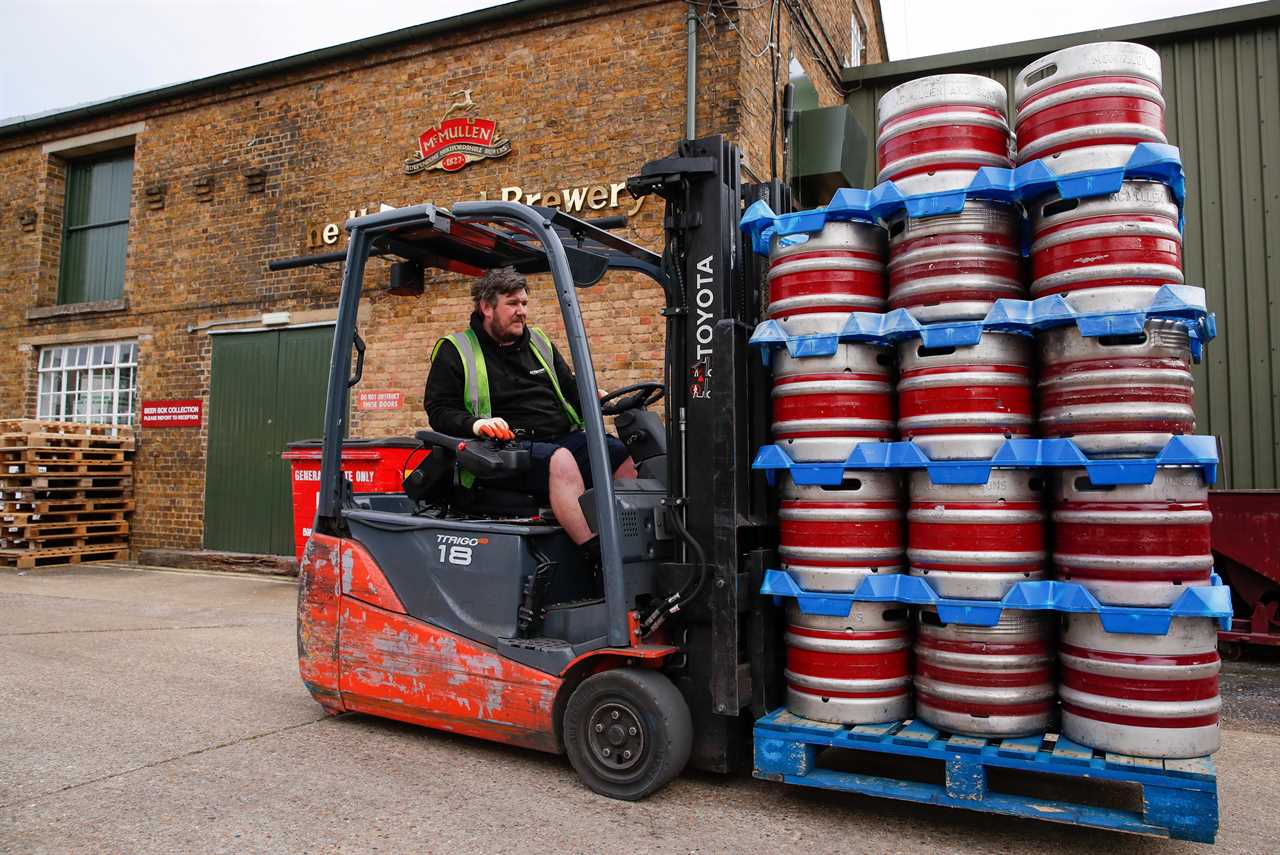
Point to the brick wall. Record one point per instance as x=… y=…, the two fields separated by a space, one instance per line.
x=587 y=94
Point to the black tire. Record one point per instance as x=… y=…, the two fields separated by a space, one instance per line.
x=627 y=732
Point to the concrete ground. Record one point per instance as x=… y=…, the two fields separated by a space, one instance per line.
x=161 y=711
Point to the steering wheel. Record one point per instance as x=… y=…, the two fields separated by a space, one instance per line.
x=634 y=397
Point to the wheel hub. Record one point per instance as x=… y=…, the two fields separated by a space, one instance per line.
x=615 y=736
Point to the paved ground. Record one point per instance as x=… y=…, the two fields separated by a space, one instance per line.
x=148 y=711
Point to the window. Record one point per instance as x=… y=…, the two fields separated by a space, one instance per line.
x=857 y=45
x=95 y=229
x=88 y=383
x=804 y=94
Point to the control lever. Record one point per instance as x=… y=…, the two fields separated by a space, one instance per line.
x=481 y=456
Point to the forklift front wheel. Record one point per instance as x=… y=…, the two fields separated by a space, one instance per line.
x=627 y=732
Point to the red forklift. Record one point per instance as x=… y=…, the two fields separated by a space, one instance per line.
x=463 y=607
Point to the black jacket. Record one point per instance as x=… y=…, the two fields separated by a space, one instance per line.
x=519 y=390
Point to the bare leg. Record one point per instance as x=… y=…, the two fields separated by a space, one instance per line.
x=566 y=487
x=626 y=469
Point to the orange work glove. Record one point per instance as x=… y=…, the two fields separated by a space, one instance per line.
x=493 y=429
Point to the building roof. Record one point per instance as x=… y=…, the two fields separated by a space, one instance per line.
x=64 y=115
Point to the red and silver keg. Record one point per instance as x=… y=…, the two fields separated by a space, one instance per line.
x=850 y=670
x=954 y=267
x=934 y=133
x=963 y=402
x=1117 y=394
x=834 y=537
x=1144 y=695
x=992 y=681
x=839 y=270
x=1106 y=253
x=1133 y=544
x=974 y=541
x=1086 y=107
x=824 y=405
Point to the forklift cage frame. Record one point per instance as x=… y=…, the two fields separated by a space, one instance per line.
x=464 y=241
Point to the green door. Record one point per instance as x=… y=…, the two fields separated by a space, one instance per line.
x=267 y=390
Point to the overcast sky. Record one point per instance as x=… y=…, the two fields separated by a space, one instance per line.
x=58 y=53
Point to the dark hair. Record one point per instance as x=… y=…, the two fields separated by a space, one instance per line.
x=498 y=282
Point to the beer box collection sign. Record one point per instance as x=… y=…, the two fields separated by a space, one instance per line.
x=181 y=413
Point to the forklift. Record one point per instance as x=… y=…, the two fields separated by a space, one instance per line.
x=465 y=608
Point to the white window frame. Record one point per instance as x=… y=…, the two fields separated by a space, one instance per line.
x=82 y=382
x=857 y=44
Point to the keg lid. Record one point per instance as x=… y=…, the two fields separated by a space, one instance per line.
x=942 y=90
x=1099 y=59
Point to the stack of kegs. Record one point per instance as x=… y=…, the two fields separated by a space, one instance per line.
x=957 y=402
x=945 y=261
x=934 y=134
x=1085 y=108
x=853 y=668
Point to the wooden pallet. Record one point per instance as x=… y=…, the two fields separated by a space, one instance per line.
x=26 y=559
x=66 y=440
x=65 y=468
x=55 y=483
x=67 y=428
x=49 y=454
x=28 y=518
x=113 y=539
x=1178 y=797
x=64 y=506
x=66 y=528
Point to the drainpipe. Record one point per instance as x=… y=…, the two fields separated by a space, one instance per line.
x=691 y=74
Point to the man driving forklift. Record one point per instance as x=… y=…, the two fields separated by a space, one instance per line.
x=503 y=379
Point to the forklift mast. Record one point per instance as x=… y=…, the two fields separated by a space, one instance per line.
x=718 y=415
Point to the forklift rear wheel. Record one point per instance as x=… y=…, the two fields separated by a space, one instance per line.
x=627 y=732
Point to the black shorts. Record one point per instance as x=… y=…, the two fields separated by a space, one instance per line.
x=537 y=478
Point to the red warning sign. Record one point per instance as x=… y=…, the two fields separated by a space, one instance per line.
x=379 y=399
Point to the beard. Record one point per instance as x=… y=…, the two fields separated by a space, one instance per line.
x=508 y=334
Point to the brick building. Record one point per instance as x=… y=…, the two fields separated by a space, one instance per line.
x=137 y=231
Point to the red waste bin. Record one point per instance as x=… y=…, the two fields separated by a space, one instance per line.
x=371 y=465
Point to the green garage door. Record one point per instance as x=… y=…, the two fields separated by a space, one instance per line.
x=267 y=390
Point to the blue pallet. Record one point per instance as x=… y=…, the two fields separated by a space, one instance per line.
x=1184 y=304
x=1198 y=451
x=991 y=183
x=1179 y=797
x=1212 y=601
x=1151 y=161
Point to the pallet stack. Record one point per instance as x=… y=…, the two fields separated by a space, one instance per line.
x=66 y=491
